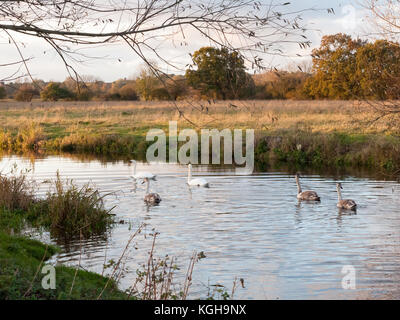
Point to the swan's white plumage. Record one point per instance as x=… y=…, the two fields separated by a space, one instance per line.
x=141 y=174
x=197 y=182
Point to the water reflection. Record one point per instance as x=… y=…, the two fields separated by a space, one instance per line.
x=250 y=227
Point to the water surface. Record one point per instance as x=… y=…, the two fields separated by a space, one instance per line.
x=249 y=227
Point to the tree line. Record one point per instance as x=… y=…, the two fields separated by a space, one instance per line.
x=342 y=68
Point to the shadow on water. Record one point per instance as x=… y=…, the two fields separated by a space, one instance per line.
x=249 y=227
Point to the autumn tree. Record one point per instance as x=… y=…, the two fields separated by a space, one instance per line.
x=218 y=73
x=26 y=92
x=345 y=68
x=378 y=70
x=334 y=68
x=146 y=83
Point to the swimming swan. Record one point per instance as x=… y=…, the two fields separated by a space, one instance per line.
x=141 y=174
x=347 y=204
x=199 y=182
x=305 y=195
x=151 y=198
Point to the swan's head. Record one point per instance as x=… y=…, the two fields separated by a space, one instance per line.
x=133 y=161
x=190 y=166
x=339 y=186
x=297 y=175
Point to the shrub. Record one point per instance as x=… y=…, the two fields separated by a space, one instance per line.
x=53 y=92
x=67 y=211
x=26 y=93
x=128 y=92
x=83 y=94
x=160 y=94
x=16 y=193
x=70 y=211
x=28 y=138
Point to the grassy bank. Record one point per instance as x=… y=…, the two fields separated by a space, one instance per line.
x=21 y=262
x=296 y=133
x=65 y=212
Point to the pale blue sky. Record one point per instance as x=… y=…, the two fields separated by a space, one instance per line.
x=47 y=66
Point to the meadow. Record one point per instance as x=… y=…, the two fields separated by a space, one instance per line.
x=299 y=133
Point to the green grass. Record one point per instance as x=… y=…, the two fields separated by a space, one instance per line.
x=20 y=260
x=66 y=211
x=69 y=211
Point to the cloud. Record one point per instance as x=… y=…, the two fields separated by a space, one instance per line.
x=119 y=61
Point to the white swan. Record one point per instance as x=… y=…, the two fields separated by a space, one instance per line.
x=151 y=198
x=199 y=182
x=141 y=174
x=347 y=204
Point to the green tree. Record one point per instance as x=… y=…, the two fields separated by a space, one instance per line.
x=53 y=92
x=219 y=73
x=334 y=68
x=378 y=70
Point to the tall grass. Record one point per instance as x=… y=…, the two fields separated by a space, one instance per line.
x=29 y=137
x=317 y=150
x=67 y=211
x=16 y=192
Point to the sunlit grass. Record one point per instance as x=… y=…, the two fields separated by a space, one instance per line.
x=61 y=118
x=115 y=129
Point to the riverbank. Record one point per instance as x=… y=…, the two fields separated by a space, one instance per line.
x=22 y=259
x=299 y=134
x=21 y=263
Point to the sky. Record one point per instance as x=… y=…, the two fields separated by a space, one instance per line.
x=116 y=62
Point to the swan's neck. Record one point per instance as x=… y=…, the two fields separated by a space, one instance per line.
x=339 y=192
x=189 y=173
x=147 y=186
x=134 y=168
x=298 y=184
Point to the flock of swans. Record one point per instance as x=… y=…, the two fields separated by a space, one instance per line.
x=154 y=198
x=346 y=204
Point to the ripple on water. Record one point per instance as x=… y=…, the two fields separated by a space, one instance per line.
x=249 y=227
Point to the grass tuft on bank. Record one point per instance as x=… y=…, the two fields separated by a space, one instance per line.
x=67 y=211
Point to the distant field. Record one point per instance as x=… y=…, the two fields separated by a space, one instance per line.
x=59 y=119
x=314 y=134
